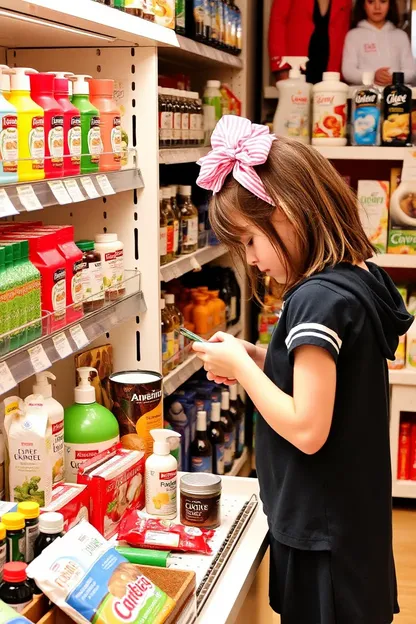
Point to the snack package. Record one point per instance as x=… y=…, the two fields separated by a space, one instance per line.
x=9 y=616
x=156 y=534
x=72 y=501
x=91 y=582
x=115 y=480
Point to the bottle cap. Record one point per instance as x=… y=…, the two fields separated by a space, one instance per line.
x=42 y=83
x=62 y=86
x=331 y=76
x=170 y=299
x=85 y=393
x=51 y=522
x=368 y=77
x=5 y=73
x=225 y=400
x=173 y=190
x=166 y=192
x=398 y=78
x=101 y=86
x=2 y=531
x=20 y=80
x=201 y=421
x=233 y=392
x=161 y=437
x=162 y=304
x=216 y=84
x=106 y=238
x=80 y=84
x=85 y=245
x=215 y=411
x=15 y=572
x=42 y=386
x=13 y=521
x=185 y=190
x=29 y=509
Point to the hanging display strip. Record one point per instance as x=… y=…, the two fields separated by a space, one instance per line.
x=191 y=262
x=57 y=340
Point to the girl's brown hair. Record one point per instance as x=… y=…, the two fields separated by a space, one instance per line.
x=360 y=14
x=312 y=195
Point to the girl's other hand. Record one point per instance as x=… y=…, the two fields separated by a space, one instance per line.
x=222 y=356
x=383 y=76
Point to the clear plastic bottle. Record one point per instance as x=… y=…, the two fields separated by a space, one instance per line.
x=189 y=222
x=212 y=107
x=163 y=231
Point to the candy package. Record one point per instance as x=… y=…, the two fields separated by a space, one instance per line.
x=163 y=535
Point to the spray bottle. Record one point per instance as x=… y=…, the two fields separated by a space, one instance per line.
x=292 y=116
x=8 y=131
x=89 y=428
x=91 y=145
x=55 y=413
x=161 y=476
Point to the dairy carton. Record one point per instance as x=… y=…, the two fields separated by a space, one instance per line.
x=373 y=198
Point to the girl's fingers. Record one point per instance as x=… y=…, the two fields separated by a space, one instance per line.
x=198 y=347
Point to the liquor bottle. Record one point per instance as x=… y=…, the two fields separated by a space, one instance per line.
x=237 y=414
x=189 y=222
x=163 y=232
x=170 y=220
x=217 y=438
x=201 y=449
x=229 y=431
x=168 y=339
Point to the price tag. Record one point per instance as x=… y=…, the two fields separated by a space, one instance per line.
x=39 y=359
x=105 y=185
x=6 y=205
x=62 y=345
x=28 y=198
x=59 y=192
x=7 y=381
x=78 y=336
x=89 y=187
x=74 y=190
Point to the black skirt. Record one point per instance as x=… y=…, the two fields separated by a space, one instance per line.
x=310 y=587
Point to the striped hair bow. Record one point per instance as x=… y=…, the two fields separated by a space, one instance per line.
x=238 y=146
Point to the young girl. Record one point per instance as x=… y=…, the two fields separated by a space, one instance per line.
x=375 y=44
x=322 y=443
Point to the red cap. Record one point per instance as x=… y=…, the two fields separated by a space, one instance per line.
x=15 y=572
x=44 y=83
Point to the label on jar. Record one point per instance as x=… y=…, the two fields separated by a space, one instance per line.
x=110 y=270
x=74 y=139
x=119 y=267
x=20 y=606
x=229 y=450
x=94 y=139
x=329 y=115
x=9 y=143
x=56 y=141
x=163 y=248
x=170 y=238
x=201 y=464
x=177 y=126
x=185 y=127
x=37 y=143
x=190 y=231
x=220 y=457
x=2 y=559
x=166 y=126
x=76 y=282
x=92 y=281
x=59 y=291
x=31 y=534
x=15 y=548
x=116 y=138
x=77 y=454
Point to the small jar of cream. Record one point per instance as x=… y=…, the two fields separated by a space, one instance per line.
x=200 y=500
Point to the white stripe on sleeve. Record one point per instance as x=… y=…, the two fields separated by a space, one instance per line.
x=317 y=326
x=310 y=333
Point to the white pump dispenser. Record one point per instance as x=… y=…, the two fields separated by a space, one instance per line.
x=80 y=84
x=292 y=116
x=20 y=80
x=161 y=476
x=5 y=73
x=84 y=392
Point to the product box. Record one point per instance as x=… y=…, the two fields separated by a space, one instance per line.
x=72 y=501
x=165 y=13
x=402 y=230
x=115 y=480
x=373 y=197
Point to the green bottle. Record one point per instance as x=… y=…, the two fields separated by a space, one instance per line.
x=91 y=145
x=89 y=428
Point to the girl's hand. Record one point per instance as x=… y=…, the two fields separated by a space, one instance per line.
x=383 y=76
x=222 y=357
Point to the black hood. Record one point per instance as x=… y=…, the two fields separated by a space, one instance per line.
x=378 y=295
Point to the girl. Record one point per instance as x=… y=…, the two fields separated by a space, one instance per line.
x=375 y=44
x=322 y=445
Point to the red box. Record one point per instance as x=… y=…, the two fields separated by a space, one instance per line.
x=115 y=480
x=72 y=501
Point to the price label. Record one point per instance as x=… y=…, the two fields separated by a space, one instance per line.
x=74 y=190
x=7 y=381
x=78 y=336
x=62 y=345
x=89 y=187
x=105 y=185
x=28 y=198
x=39 y=359
x=60 y=192
x=6 y=205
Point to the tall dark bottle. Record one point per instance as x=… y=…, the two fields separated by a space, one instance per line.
x=229 y=431
x=235 y=302
x=201 y=449
x=397 y=124
x=238 y=416
x=217 y=438
x=195 y=19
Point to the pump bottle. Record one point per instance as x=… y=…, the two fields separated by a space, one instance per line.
x=292 y=116
x=89 y=428
x=72 y=123
x=161 y=476
x=91 y=145
x=8 y=130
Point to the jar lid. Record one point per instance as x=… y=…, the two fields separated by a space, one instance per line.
x=214 y=83
x=106 y=238
x=201 y=483
x=2 y=531
x=51 y=522
x=29 y=509
x=14 y=572
x=85 y=245
x=13 y=521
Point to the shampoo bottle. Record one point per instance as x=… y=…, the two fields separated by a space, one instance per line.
x=72 y=125
x=55 y=413
x=8 y=131
x=30 y=127
x=91 y=146
x=161 y=476
x=89 y=428
x=366 y=111
x=101 y=96
x=292 y=117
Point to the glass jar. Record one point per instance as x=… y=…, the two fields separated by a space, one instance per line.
x=92 y=276
x=200 y=495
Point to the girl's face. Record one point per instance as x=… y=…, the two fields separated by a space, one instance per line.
x=376 y=10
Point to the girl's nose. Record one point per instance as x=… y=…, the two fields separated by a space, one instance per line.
x=251 y=257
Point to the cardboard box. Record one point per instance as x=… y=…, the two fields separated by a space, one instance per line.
x=402 y=230
x=72 y=501
x=373 y=196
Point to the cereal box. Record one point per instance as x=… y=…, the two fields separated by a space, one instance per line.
x=373 y=197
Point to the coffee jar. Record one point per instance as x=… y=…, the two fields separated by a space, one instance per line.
x=200 y=500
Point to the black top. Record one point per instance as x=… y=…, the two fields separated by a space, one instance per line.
x=318 y=51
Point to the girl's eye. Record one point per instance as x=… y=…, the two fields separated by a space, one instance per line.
x=249 y=242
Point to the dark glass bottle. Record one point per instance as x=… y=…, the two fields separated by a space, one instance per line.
x=397 y=110
x=51 y=526
x=201 y=449
x=235 y=303
x=238 y=415
x=229 y=431
x=177 y=118
x=16 y=590
x=217 y=438
x=223 y=285
x=207 y=21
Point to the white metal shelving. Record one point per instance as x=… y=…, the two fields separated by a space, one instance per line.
x=206 y=56
x=191 y=262
x=395 y=261
x=178 y=155
x=362 y=153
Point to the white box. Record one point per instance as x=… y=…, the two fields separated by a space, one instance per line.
x=373 y=198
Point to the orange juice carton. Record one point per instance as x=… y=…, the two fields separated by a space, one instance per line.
x=373 y=197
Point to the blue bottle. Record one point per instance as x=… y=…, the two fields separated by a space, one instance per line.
x=366 y=113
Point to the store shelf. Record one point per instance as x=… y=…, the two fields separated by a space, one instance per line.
x=402 y=377
x=239 y=464
x=78 y=23
x=56 y=345
x=191 y=262
x=179 y=155
x=362 y=153
x=399 y=261
x=404 y=489
x=184 y=371
x=207 y=56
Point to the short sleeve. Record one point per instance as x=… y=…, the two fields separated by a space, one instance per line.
x=317 y=315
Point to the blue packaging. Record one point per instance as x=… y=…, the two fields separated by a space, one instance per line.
x=366 y=115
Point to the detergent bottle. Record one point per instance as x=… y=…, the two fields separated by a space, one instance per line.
x=292 y=116
x=91 y=145
x=42 y=88
x=8 y=134
x=101 y=96
x=72 y=124
x=30 y=127
x=161 y=471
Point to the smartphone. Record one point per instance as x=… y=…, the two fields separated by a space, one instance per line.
x=190 y=335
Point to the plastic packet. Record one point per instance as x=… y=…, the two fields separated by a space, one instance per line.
x=164 y=535
x=9 y=616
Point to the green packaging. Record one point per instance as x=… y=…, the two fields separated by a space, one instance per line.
x=32 y=293
x=4 y=303
x=11 y=299
x=91 y=145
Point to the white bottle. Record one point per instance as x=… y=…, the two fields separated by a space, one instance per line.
x=161 y=471
x=112 y=259
x=329 y=116
x=56 y=417
x=292 y=116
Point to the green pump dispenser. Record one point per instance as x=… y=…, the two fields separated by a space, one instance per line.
x=91 y=145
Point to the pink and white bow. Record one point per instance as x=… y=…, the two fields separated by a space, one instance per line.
x=238 y=146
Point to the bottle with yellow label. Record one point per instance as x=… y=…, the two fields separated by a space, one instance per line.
x=30 y=127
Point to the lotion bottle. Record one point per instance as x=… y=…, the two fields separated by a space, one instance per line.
x=161 y=471
x=292 y=117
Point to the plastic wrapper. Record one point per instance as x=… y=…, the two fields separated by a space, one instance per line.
x=9 y=616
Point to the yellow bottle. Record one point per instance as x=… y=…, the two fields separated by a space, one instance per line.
x=30 y=127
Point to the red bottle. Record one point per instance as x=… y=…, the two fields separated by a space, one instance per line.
x=42 y=88
x=403 y=460
x=72 y=128
x=412 y=473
